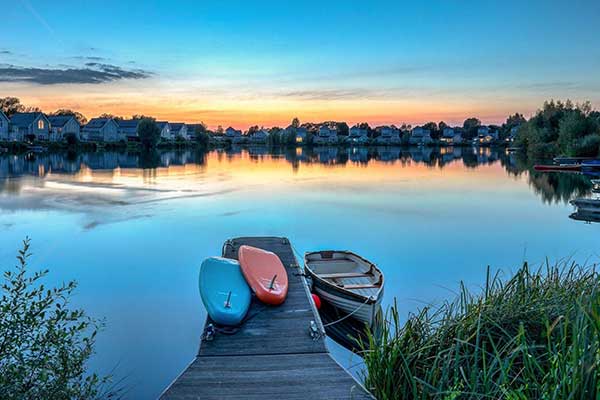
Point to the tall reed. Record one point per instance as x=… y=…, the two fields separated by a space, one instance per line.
x=534 y=336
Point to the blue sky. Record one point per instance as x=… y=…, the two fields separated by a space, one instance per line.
x=265 y=62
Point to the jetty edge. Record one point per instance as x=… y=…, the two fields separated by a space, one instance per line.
x=278 y=352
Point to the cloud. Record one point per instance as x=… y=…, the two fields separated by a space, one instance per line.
x=90 y=58
x=91 y=73
x=5 y=52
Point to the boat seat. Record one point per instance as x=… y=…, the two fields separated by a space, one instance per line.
x=365 y=286
x=345 y=275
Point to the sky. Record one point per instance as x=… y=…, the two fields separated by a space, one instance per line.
x=263 y=63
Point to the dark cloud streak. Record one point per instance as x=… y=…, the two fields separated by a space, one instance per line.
x=90 y=73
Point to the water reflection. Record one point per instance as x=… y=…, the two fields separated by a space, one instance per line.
x=551 y=187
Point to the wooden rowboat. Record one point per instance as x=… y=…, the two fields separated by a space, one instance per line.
x=347 y=281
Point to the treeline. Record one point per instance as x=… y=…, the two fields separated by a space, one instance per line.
x=561 y=128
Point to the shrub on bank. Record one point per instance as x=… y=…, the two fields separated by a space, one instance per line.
x=535 y=336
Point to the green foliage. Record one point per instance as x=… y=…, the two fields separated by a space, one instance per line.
x=561 y=128
x=201 y=137
x=535 y=336
x=81 y=119
x=11 y=105
x=44 y=344
x=149 y=133
x=470 y=126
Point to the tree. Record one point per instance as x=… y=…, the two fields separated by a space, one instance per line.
x=470 y=127
x=433 y=128
x=253 y=129
x=220 y=130
x=11 y=105
x=295 y=123
x=78 y=116
x=149 y=133
x=44 y=344
x=201 y=136
x=71 y=139
x=442 y=125
x=108 y=115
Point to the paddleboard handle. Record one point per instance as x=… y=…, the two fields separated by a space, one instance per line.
x=272 y=285
x=228 y=301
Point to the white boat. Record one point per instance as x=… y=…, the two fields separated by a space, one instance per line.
x=347 y=281
x=587 y=205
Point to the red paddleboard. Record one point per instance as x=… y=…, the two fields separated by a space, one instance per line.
x=573 y=167
x=264 y=273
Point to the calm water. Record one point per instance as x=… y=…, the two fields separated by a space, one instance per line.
x=132 y=230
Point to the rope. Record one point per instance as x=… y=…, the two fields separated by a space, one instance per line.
x=347 y=316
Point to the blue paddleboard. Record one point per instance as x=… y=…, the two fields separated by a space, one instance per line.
x=224 y=290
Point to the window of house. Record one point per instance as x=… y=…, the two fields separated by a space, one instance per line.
x=41 y=124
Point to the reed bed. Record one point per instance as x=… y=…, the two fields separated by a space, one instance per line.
x=533 y=336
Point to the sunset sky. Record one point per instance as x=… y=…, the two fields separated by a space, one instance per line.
x=242 y=63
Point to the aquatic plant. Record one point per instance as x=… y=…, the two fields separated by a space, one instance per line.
x=535 y=336
x=44 y=343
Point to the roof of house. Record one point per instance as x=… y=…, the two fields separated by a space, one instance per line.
x=3 y=115
x=97 y=123
x=161 y=124
x=176 y=126
x=128 y=123
x=23 y=120
x=59 y=120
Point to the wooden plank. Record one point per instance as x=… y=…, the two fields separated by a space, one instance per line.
x=286 y=376
x=345 y=275
x=273 y=353
x=365 y=286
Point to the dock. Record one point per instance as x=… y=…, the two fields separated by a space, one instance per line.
x=275 y=354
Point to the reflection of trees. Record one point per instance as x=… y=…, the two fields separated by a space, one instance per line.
x=558 y=187
x=552 y=187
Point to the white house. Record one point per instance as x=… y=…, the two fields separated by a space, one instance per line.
x=420 y=136
x=128 y=129
x=63 y=125
x=101 y=130
x=165 y=130
x=448 y=135
x=4 y=121
x=358 y=135
x=24 y=125
x=178 y=129
x=234 y=135
x=260 y=136
x=326 y=135
x=388 y=135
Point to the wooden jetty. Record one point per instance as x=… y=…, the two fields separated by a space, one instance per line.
x=273 y=355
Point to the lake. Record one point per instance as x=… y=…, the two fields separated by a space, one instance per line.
x=132 y=229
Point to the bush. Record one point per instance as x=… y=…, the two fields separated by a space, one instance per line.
x=44 y=344
x=587 y=147
x=202 y=138
x=71 y=139
x=149 y=133
x=536 y=336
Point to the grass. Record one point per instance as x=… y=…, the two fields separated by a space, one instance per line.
x=533 y=336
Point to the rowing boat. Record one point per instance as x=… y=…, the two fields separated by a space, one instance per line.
x=347 y=281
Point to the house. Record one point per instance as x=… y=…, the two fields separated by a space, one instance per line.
x=301 y=135
x=485 y=136
x=457 y=138
x=513 y=133
x=29 y=125
x=420 y=136
x=326 y=135
x=165 y=130
x=358 y=135
x=448 y=135
x=388 y=135
x=4 y=121
x=260 y=136
x=101 y=130
x=178 y=130
x=234 y=135
x=128 y=129
x=63 y=125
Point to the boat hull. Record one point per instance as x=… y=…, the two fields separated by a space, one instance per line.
x=361 y=310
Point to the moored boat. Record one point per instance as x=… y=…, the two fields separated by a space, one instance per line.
x=552 y=167
x=587 y=205
x=347 y=281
